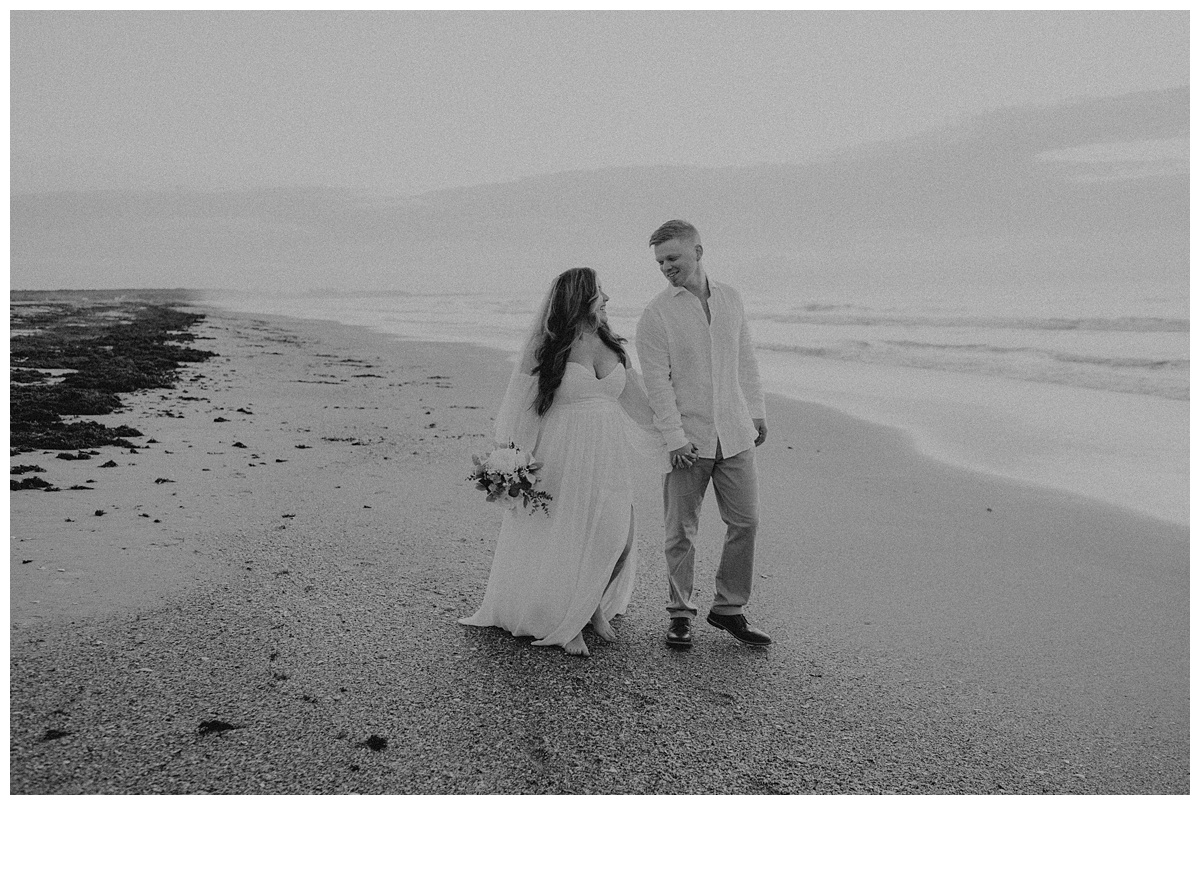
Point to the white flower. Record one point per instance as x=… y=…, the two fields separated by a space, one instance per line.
x=508 y=476
x=506 y=460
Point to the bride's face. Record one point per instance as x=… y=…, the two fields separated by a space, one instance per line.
x=599 y=313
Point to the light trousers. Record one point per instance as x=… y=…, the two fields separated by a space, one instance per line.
x=735 y=483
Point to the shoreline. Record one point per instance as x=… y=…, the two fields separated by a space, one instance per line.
x=1107 y=447
x=302 y=588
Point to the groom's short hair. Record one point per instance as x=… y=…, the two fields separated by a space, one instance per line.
x=675 y=229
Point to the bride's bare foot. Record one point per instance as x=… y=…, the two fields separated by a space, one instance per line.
x=603 y=629
x=577 y=646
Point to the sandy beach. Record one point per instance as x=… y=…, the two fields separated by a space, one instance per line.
x=262 y=598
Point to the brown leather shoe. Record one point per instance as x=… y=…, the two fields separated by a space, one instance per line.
x=741 y=631
x=680 y=632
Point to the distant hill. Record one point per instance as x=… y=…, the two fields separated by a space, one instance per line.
x=1089 y=194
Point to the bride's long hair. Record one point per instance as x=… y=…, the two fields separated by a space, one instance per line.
x=570 y=307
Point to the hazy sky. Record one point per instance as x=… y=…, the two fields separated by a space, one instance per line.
x=415 y=101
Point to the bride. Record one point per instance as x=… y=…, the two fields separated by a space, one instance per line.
x=575 y=402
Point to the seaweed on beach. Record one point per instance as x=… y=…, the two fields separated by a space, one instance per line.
x=30 y=482
x=28 y=376
x=99 y=349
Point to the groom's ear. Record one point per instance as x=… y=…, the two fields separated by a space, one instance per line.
x=699 y=251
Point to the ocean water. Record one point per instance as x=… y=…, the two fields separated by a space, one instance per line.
x=1086 y=395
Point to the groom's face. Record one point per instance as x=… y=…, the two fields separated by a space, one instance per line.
x=679 y=261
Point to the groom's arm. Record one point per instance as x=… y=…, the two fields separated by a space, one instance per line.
x=748 y=374
x=752 y=384
x=655 y=358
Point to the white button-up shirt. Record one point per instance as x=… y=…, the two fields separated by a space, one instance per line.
x=701 y=376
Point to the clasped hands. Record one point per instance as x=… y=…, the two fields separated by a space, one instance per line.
x=685 y=456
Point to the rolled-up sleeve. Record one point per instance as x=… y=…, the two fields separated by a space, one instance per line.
x=655 y=359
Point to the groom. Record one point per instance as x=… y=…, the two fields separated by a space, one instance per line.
x=702 y=377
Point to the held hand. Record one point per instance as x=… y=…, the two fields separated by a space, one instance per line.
x=685 y=456
x=760 y=425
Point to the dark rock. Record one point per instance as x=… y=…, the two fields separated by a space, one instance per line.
x=215 y=726
x=27 y=468
x=375 y=743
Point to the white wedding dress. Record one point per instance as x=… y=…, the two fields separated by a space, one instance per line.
x=596 y=445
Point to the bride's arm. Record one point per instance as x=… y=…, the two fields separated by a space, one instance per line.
x=646 y=440
x=635 y=400
x=517 y=421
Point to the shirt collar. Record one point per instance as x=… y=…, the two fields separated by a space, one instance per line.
x=677 y=290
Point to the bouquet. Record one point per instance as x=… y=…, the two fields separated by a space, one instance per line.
x=509 y=475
